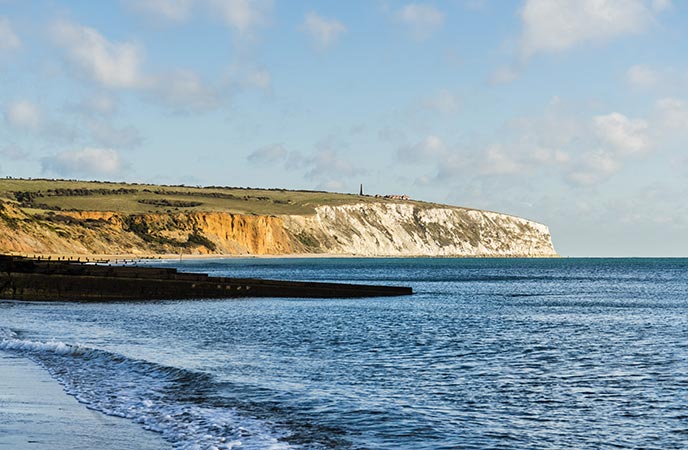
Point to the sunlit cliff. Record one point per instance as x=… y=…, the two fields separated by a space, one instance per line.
x=365 y=229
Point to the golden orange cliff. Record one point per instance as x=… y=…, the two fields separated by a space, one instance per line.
x=364 y=229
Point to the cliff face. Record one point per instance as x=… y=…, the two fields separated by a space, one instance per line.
x=111 y=233
x=377 y=229
x=403 y=229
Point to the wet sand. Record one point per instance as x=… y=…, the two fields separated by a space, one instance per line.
x=36 y=413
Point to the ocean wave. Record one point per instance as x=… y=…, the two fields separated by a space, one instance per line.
x=174 y=402
x=7 y=334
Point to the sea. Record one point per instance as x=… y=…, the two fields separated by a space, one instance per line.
x=565 y=353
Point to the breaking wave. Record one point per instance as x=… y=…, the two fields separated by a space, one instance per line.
x=177 y=403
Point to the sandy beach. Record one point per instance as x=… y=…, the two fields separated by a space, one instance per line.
x=36 y=413
x=171 y=256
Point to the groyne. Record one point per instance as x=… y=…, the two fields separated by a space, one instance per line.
x=44 y=280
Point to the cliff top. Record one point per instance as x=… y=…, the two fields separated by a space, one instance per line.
x=40 y=195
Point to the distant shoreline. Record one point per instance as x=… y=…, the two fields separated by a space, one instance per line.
x=130 y=257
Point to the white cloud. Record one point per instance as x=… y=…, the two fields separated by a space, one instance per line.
x=666 y=80
x=332 y=185
x=443 y=101
x=100 y=103
x=593 y=168
x=504 y=75
x=661 y=5
x=555 y=147
x=170 y=10
x=244 y=15
x=8 y=39
x=627 y=136
x=86 y=162
x=258 y=78
x=268 y=154
x=498 y=161
x=249 y=76
x=542 y=155
x=27 y=116
x=324 y=31
x=109 y=136
x=421 y=18
x=116 y=65
x=426 y=151
x=555 y=25
x=617 y=139
x=119 y=65
x=449 y=167
x=328 y=164
x=325 y=166
x=184 y=91
x=23 y=114
x=673 y=113
x=642 y=76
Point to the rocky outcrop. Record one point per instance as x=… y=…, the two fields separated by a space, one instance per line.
x=366 y=229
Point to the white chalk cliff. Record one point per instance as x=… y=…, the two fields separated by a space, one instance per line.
x=405 y=229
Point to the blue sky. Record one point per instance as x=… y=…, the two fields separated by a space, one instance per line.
x=573 y=113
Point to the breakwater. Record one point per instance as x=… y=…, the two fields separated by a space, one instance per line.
x=44 y=280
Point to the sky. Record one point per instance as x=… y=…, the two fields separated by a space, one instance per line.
x=573 y=113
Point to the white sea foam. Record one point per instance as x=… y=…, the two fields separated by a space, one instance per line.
x=148 y=394
x=6 y=334
x=59 y=348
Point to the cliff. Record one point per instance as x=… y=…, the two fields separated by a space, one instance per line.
x=368 y=229
x=405 y=229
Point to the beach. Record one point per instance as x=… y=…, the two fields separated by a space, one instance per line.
x=36 y=413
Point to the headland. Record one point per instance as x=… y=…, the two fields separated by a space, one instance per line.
x=63 y=217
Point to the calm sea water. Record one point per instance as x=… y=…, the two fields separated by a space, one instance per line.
x=488 y=354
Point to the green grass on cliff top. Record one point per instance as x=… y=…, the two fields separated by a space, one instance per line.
x=170 y=199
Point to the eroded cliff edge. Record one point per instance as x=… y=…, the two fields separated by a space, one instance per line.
x=365 y=229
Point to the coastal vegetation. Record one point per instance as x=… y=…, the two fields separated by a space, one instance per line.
x=134 y=198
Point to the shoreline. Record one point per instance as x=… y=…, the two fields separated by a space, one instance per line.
x=36 y=412
x=132 y=257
